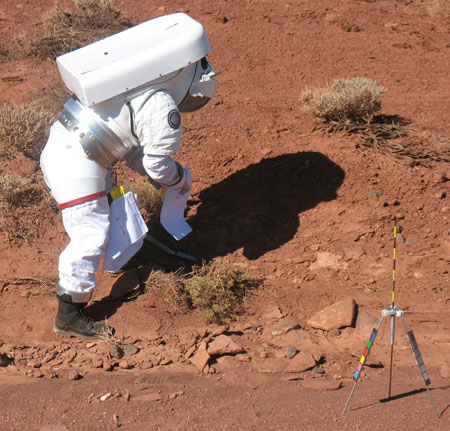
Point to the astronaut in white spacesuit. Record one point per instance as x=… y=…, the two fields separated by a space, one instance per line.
x=142 y=127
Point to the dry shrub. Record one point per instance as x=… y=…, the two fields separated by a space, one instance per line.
x=17 y=48
x=66 y=30
x=90 y=21
x=349 y=106
x=347 y=98
x=24 y=203
x=170 y=287
x=439 y=8
x=23 y=129
x=218 y=290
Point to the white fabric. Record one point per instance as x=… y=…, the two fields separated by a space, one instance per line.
x=126 y=233
x=162 y=169
x=87 y=225
x=71 y=175
x=172 y=211
x=68 y=172
x=152 y=126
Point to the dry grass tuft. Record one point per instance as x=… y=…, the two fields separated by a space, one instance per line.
x=24 y=202
x=90 y=21
x=46 y=286
x=24 y=129
x=346 y=98
x=349 y=106
x=439 y=8
x=169 y=286
x=218 y=290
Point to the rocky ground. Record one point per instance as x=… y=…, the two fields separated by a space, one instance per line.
x=311 y=212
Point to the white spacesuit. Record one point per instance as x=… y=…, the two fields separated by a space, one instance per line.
x=125 y=108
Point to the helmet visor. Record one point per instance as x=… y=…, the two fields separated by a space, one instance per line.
x=191 y=103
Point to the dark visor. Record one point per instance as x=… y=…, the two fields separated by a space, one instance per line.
x=191 y=103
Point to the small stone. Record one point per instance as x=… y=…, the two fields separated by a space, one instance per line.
x=125 y=365
x=130 y=349
x=73 y=375
x=322 y=384
x=353 y=252
x=175 y=395
x=107 y=366
x=105 y=397
x=273 y=313
x=4 y=360
x=34 y=364
x=283 y=326
x=201 y=357
x=153 y=396
x=116 y=352
x=301 y=362
x=97 y=363
x=292 y=351
x=224 y=345
x=146 y=365
x=318 y=370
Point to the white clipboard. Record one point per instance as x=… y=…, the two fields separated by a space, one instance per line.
x=126 y=232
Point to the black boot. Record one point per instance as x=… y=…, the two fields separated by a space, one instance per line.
x=71 y=321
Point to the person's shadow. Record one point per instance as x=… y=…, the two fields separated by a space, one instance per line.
x=258 y=208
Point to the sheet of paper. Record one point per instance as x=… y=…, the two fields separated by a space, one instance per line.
x=172 y=213
x=126 y=232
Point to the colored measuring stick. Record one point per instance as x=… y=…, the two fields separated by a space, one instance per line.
x=365 y=354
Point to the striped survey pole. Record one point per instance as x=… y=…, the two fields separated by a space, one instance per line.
x=392 y=338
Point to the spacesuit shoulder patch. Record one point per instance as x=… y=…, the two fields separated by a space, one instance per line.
x=174 y=119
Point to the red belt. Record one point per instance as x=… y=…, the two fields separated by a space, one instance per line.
x=81 y=200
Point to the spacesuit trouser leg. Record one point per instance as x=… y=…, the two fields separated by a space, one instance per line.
x=87 y=225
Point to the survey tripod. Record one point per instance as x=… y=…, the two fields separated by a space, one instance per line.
x=393 y=311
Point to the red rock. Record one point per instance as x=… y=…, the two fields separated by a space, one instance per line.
x=338 y=315
x=224 y=345
x=153 y=396
x=283 y=326
x=301 y=362
x=201 y=357
x=125 y=365
x=322 y=384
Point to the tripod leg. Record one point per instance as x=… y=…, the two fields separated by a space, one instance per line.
x=362 y=361
x=392 y=352
x=420 y=363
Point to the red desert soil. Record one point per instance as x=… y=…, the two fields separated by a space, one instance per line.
x=311 y=213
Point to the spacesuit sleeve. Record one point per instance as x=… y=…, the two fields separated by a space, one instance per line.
x=158 y=125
